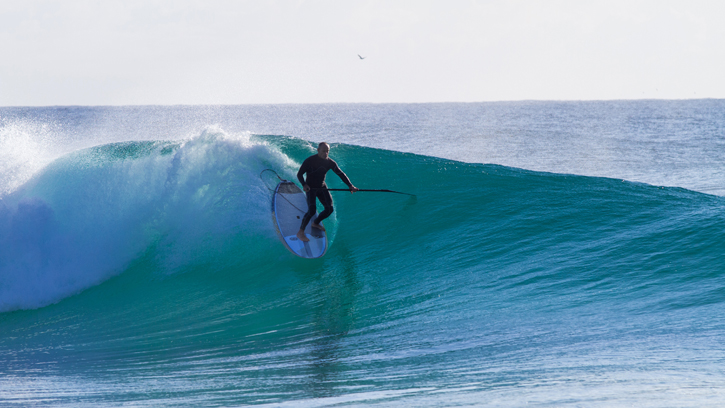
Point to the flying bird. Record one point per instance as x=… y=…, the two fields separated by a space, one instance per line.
x=361 y=57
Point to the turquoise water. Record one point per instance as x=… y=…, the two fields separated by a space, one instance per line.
x=149 y=273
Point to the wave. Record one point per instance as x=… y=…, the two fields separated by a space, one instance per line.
x=199 y=206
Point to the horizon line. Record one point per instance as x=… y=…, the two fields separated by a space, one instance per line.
x=358 y=103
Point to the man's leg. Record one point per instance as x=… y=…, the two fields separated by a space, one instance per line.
x=326 y=200
x=311 y=209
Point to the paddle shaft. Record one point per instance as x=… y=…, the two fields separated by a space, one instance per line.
x=362 y=189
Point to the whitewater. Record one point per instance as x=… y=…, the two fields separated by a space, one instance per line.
x=555 y=254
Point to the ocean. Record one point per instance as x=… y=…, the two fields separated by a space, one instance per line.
x=556 y=254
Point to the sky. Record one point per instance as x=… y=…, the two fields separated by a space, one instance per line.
x=162 y=52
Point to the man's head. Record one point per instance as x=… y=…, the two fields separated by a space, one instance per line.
x=323 y=150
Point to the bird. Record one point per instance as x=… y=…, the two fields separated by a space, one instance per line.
x=361 y=57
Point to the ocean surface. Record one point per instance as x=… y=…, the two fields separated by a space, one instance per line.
x=556 y=254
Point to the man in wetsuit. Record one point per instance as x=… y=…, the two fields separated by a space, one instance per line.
x=316 y=167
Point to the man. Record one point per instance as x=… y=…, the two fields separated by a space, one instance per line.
x=316 y=167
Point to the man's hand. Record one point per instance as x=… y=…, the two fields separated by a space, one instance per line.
x=306 y=188
x=353 y=189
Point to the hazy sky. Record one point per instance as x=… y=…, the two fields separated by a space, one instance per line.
x=237 y=52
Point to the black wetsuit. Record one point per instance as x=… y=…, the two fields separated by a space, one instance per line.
x=316 y=168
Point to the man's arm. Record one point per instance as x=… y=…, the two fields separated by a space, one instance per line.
x=340 y=174
x=301 y=173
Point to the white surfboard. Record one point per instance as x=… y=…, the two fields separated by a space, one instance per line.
x=289 y=205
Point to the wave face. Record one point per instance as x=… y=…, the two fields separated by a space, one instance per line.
x=150 y=273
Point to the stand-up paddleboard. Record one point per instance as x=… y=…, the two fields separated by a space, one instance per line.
x=289 y=205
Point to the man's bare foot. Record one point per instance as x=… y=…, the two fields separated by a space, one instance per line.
x=301 y=236
x=318 y=226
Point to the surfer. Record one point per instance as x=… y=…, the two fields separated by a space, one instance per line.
x=316 y=167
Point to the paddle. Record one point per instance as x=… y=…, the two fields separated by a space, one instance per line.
x=368 y=190
x=336 y=189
